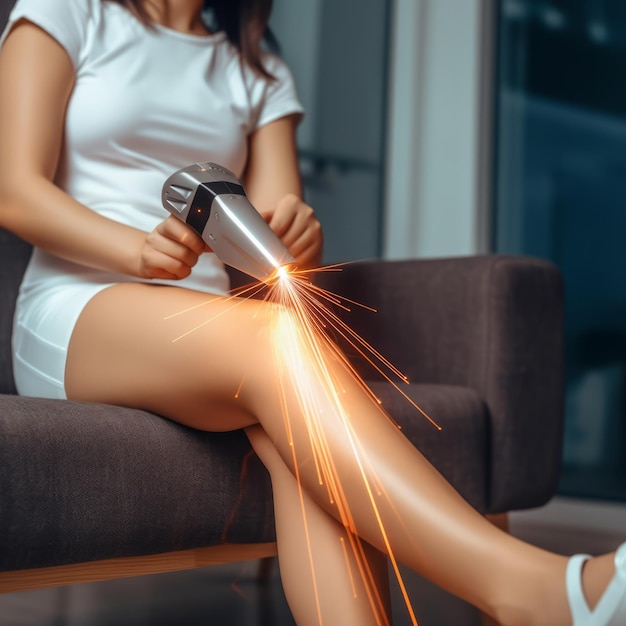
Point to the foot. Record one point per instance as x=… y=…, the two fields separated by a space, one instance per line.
x=611 y=608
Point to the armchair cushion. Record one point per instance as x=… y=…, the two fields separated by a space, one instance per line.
x=83 y=482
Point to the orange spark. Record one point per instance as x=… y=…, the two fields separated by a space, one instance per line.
x=303 y=354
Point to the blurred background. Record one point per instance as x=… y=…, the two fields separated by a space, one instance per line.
x=559 y=190
x=465 y=126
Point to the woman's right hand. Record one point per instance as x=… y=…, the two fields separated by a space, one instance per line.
x=170 y=251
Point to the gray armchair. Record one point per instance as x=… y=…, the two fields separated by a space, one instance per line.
x=91 y=492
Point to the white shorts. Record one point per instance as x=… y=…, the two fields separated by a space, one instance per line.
x=52 y=296
x=42 y=329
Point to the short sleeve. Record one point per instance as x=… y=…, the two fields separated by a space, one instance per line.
x=278 y=98
x=65 y=20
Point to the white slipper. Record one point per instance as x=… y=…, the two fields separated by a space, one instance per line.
x=611 y=609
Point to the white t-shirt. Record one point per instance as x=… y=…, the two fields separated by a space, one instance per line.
x=146 y=102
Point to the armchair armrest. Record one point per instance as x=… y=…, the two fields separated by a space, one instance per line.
x=489 y=323
x=14 y=256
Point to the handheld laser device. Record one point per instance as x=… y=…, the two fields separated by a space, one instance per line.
x=210 y=199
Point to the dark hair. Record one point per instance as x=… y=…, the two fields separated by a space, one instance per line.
x=243 y=21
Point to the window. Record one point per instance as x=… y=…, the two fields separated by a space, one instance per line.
x=561 y=194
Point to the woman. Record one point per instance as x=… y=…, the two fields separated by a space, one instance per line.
x=99 y=102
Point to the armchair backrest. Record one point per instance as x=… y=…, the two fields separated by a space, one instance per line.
x=14 y=255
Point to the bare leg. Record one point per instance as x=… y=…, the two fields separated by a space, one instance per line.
x=428 y=526
x=501 y=521
x=323 y=581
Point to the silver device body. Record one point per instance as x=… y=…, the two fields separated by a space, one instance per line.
x=211 y=200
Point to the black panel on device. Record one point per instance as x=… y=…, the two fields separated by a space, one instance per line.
x=200 y=209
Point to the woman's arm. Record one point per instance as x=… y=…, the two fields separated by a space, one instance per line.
x=273 y=184
x=36 y=80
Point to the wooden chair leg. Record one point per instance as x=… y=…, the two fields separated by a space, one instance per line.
x=264 y=573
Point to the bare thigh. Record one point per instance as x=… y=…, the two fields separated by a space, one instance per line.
x=132 y=346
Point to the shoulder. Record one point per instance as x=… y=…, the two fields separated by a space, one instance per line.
x=277 y=67
x=67 y=21
x=256 y=84
x=274 y=98
x=56 y=10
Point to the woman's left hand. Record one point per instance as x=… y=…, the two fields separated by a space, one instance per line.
x=297 y=227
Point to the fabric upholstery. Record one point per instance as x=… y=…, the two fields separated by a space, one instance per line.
x=81 y=482
x=480 y=339
x=14 y=255
x=489 y=323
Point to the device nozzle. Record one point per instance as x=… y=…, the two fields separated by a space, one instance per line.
x=211 y=200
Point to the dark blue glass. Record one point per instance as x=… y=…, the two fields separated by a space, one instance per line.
x=561 y=194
